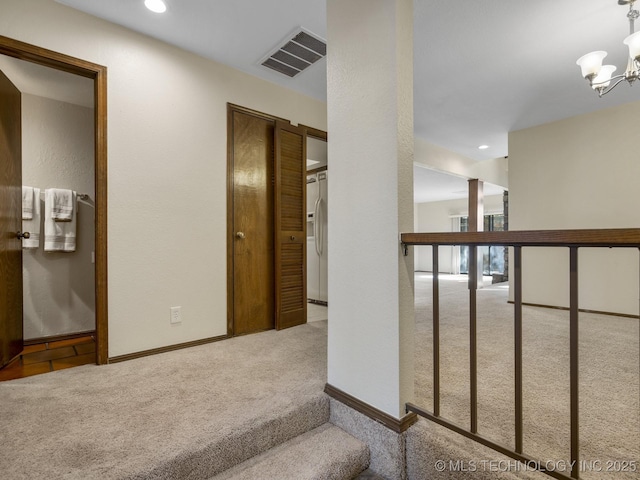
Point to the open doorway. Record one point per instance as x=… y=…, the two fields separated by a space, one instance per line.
x=441 y=202
x=57 y=125
x=317 y=220
x=11 y=308
x=266 y=248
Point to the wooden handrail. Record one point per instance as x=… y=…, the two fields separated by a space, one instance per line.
x=573 y=239
x=613 y=237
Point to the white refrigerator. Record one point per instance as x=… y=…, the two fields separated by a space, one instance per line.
x=317 y=238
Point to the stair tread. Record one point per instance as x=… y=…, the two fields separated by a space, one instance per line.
x=326 y=452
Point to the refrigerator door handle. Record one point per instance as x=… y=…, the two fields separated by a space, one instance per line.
x=316 y=227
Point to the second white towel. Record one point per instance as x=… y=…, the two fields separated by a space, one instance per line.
x=63 y=203
x=32 y=225
x=28 y=202
x=59 y=236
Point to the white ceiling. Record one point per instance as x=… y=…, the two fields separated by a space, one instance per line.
x=433 y=186
x=481 y=68
x=485 y=68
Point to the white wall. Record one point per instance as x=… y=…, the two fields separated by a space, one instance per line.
x=581 y=172
x=437 y=217
x=58 y=151
x=370 y=106
x=167 y=129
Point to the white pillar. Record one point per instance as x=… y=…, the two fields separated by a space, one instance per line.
x=370 y=124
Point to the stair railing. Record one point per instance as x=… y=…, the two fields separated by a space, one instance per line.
x=571 y=239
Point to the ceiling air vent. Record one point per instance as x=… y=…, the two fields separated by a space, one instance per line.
x=299 y=51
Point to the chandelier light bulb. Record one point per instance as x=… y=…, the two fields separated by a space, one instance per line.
x=591 y=63
x=603 y=79
x=633 y=42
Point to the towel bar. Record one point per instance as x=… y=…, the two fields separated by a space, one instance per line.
x=81 y=196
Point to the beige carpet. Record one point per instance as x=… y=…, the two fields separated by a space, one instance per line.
x=609 y=374
x=186 y=414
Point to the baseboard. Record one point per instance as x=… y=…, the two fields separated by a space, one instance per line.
x=168 y=348
x=392 y=423
x=583 y=310
x=57 y=338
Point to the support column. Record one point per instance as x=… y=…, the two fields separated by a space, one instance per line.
x=370 y=123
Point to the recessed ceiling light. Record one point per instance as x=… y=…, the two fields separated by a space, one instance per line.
x=483 y=147
x=157 y=6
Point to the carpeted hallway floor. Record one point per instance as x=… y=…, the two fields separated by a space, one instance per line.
x=144 y=417
x=609 y=374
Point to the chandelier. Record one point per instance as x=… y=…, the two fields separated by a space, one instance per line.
x=600 y=76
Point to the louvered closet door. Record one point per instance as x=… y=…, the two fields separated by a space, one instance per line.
x=290 y=231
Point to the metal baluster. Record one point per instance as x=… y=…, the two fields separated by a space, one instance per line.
x=573 y=361
x=517 y=332
x=436 y=333
x=473 y=354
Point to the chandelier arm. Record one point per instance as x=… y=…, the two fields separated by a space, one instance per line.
x=602 y=91
x=591 y=64
x=620 y=77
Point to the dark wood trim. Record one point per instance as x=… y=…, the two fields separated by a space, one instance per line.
x=397 y=425
x=616 y=237
x=168 y=348
x=230 y=109
x=98 y=73
x=48 y=58
x=582 y=310
x=255 y=113
x=314 y=132
x=102 y=285
x=57 y=338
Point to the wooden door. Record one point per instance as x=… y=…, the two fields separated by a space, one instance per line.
x=252 y=220
x=10 y=221
x=290 y=226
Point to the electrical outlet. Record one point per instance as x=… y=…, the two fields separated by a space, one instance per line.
x=176 y=315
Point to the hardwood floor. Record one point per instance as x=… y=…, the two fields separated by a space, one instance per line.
x=49 y=356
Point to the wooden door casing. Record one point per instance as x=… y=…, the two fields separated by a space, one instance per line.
x=59 y=61
x=280 y=213
x=11 y=329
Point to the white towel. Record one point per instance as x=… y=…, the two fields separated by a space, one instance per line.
x=58 y=236
x=63 y=205
x=33 y=225
x=27 y=203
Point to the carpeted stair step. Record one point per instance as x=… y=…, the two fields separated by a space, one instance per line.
x=325 y=453
x=237 y=443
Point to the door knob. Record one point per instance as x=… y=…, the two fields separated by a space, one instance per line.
x=21 y=235
x=240 y=234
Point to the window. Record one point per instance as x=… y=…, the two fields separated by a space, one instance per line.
x=492 y=257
